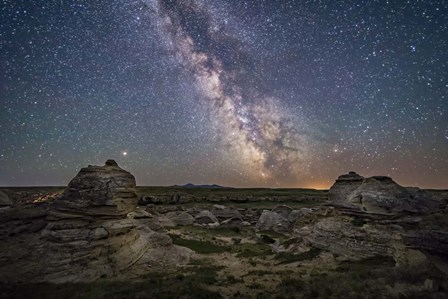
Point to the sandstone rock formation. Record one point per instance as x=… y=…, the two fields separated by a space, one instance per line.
x=232 y=223
x=353 y=242
x=180 y=218
x=206 y=217
x=282 y=210
x=91 y=216
x=105 y=191
x=344 y=185
x=222 y=213
x=86 y=234
x=4 y=200
x=270 y=220
x=297 y=214
x=378 y=194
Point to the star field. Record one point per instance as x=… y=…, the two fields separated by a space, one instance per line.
x=239 y=93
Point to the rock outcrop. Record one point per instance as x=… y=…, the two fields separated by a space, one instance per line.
x=344 y=185
x=91 y=217
x=180 y=218
x=86 y=234
x=206 y=217
x=352 y=242
x=379 y=194
x=283 y=210
x=297 y=214
x=104 y=191
x=4 y=200
x=222 y=213
x=270 y=220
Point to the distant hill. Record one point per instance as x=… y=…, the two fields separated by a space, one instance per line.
x=190 y=185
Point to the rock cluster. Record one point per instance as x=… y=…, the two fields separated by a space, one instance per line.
x=4 y=200
x=375 y=216
x=378 y=194
x=85 y=234
x=180 y=218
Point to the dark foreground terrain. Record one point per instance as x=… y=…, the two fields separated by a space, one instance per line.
x=365 y=238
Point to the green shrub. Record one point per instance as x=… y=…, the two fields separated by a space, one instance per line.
x=287 y=258
x=358 y=222
x=203 y=247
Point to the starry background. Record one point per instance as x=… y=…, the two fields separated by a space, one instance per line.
x=239 y=93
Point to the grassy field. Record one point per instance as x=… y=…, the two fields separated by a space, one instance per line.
x=228 y=192
x=245 y=197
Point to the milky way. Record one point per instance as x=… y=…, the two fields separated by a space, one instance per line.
x=256 y=132
x=240 y=93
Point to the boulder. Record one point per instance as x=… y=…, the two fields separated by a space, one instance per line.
x=272 y=221
x=180 y=218
x=251 y=215
x=163 y=221
x=232 y=223
x=140 y=214
x=4 y=200
x=283 y=210
x=297 y=214
x=225 y=213
x=205 y=217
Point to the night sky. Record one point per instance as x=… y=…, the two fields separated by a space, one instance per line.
x=238 y=93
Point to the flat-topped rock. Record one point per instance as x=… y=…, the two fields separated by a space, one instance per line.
x=344 y=185
x=106 y=191
x=380 y=194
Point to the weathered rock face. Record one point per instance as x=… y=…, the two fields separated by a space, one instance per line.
x=297 y=214
x=206 y=217
x=87 y=233
x=352 y=242
x=107 y=191
x=232 y=223
x=223 y=213
x=180 y=218
x=91 y=216
x=344 y=185
x=272 y=221
x=4 y=199
x=381 y=195
x=425 y=199
x=283 y=210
